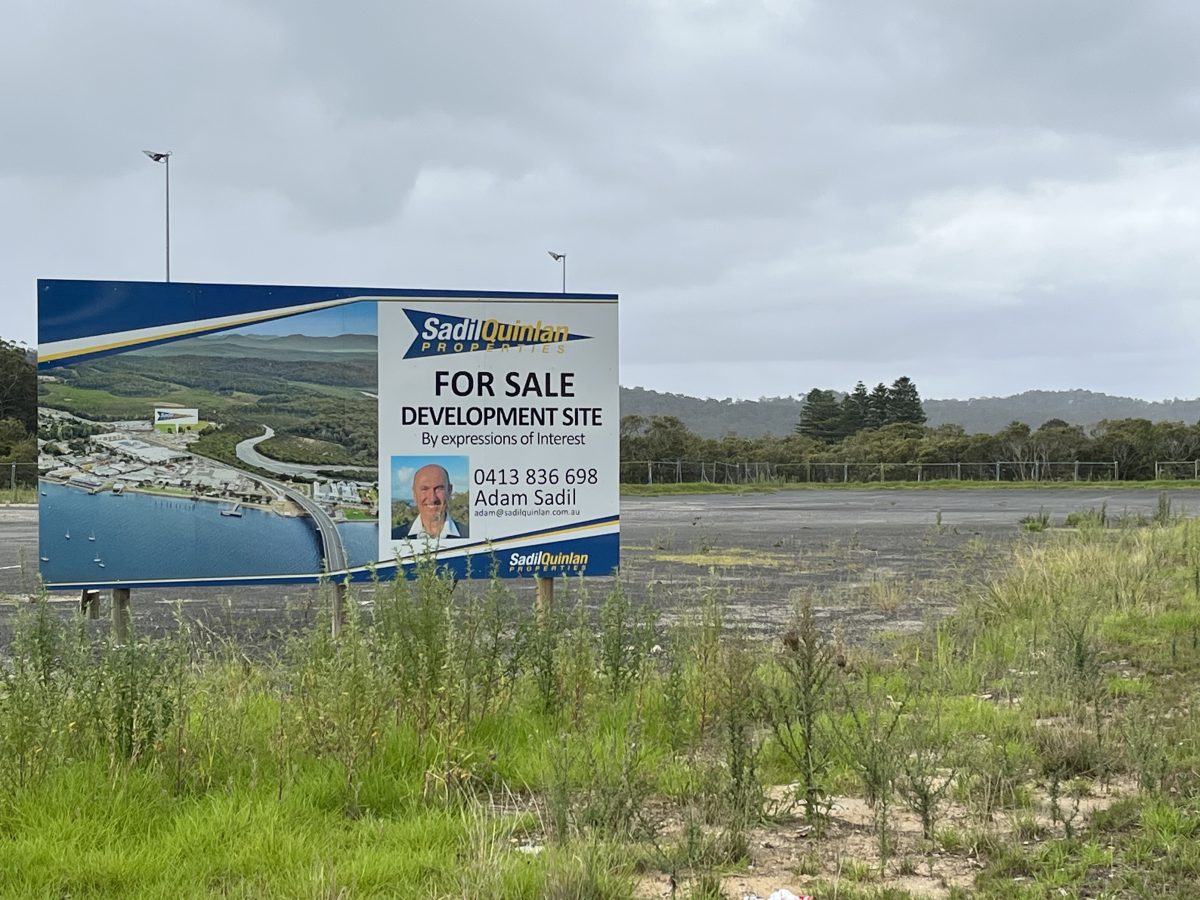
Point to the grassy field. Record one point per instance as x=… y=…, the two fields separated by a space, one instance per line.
x=317 y=424
x=93 y=402
x=18 y=494
x=1044 y=741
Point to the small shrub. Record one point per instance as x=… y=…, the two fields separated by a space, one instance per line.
x=1088 y=518
x=1037 y=522
x=797 y=703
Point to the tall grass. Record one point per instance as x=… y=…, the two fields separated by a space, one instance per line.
x=453 y=743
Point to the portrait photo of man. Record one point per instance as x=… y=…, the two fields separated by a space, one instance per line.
x=425 y=504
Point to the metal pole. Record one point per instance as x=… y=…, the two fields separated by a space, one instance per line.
x=168 y=170
x=165 y=158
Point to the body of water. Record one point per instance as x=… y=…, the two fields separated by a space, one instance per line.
x=146 y=536
x=361 y=540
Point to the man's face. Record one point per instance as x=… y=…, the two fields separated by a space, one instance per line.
x=431 y=493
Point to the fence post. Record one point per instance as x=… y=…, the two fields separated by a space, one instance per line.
x=337 y=613
x=845 y=473
x=958 y=471
x=679 y=471
x=1076 y=470
x=120 y=613
x=13 y=481
x=649 y=472
x=881 y=475
x=997 y=471
x=1116 y=471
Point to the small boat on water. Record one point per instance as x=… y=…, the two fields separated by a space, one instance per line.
x=102 y=565
x=67 y=535
x=44 y=558
x=92 y=536
x=234 y=510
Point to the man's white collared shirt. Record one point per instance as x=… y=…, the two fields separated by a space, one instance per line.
x=449 y=529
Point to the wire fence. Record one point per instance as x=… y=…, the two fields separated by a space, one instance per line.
x=1177 y=470
x=679 y=471
x=18 y=479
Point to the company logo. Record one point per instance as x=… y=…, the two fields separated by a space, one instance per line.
x=544 y=558
x=165 y=415
x=439 y=334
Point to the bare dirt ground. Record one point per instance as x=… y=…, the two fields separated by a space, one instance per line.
x=787 y=853
x=871 y=560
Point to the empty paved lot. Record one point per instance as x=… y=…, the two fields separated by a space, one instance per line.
x=870 y=559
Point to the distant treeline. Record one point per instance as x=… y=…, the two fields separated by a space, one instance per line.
x=18 y=406
x=1134 y=444
x=985 y=415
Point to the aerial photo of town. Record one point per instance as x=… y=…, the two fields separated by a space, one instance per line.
x=273 y=425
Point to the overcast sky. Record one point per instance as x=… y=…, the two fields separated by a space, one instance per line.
x=988 y=197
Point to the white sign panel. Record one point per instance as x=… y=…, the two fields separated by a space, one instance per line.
x=498 y=433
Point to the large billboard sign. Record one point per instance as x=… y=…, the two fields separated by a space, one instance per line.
x=229 y=434
x=176 y=418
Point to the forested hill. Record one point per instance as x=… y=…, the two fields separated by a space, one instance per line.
x=988 y=415
x=716 y=418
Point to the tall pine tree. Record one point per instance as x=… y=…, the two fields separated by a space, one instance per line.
x=821 y=417
x=905 y=402
x=879 y=403
x=855 y=408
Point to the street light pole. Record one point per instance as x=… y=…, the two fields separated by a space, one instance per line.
x=165 y=158
x=545 y=584
x=561 y=257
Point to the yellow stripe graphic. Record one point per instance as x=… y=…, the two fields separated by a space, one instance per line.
x=184 y=332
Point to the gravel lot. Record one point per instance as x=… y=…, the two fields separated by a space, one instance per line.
x=871 y=560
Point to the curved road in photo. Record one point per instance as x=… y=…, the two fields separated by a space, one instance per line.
x=333 y=549
x=246 y=451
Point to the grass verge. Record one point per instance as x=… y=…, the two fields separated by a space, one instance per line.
x=1042 y=741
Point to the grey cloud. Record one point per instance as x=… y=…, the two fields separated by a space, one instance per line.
x=779 y=190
